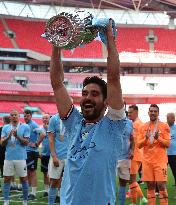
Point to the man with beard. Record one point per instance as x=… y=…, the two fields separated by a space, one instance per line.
x=155 y=139
x=94 y=139
x=15 y=137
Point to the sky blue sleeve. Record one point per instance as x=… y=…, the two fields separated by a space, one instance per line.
x=51 y=126
x=74 y=118
x=4 y=131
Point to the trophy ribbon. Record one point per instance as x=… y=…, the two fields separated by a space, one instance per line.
x=101 y=24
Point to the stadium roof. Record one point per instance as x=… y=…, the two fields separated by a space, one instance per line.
x=168 y=6
x=124 y=12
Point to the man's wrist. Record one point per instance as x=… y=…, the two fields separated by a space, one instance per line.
x=53 y=155
x=146 y=139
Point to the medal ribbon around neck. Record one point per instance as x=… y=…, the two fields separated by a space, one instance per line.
x=152 y=134
x=13 y=138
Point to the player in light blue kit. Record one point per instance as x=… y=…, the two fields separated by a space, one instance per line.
x=95 y=140
x=15 y=137
x=171 y=151
x=36 y=137
x=45 y=153
x=58 y=148
x=124 y=162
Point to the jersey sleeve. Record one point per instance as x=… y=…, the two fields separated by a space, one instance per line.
x=4 y=132
x=113 y=114
x=51 y=126
x=72 y=119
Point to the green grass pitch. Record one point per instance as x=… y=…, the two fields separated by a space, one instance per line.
x=15 y=196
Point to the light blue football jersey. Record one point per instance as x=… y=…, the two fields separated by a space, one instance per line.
x=172 y=148
x=90 y=173
x=45 y=144
x=14 y=149
x=127 y=132
x=60 y=138
x=35 y=130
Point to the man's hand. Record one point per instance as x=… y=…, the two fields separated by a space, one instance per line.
x=14 y=132
x=55 y=161
x=31 y=144
x=147 y=134
x=109 y=31
x=156 y=134
x=131 y=154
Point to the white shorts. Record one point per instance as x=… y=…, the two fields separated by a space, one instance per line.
x=55 y=172
x=12 y=167
x=123 y=169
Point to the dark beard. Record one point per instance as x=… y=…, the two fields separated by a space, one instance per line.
x=94 y=115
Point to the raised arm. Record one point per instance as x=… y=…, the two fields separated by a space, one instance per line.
x=63 y=101
x=115 y=99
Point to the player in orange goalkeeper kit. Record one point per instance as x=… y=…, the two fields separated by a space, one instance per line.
x=155 y=139
x=137 y=157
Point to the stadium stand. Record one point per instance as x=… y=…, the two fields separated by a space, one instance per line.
x=6 y=106
x=49 y=108
x=166 y=40
x=5 y=41
x=28 y=36
x=132 y=40
x=11 y=86
x=5 y=76
x=39 y=87
x=40 y=82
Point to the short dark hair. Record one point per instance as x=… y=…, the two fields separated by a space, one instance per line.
x=154 y=105
x=100 y=82
x=28 y=112
x=134 y=107
x=6 y=119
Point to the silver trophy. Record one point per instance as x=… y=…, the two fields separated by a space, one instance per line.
x=69 y=30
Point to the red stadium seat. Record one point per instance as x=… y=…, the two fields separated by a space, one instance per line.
x=6 y=106
x=11 y=86
x=5 y=41
x=49 y=108
x=28 y=36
